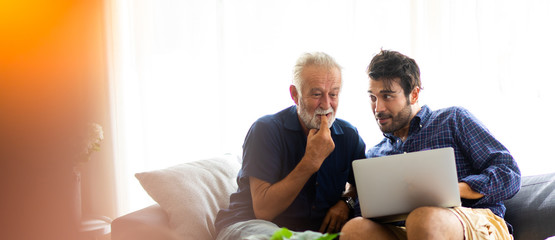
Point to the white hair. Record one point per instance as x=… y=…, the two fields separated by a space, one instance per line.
x=311 y=59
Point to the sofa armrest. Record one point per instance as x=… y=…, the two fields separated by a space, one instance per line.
x=148 y=223
x=531 y=211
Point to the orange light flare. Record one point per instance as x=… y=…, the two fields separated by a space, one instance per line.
x=52 y=59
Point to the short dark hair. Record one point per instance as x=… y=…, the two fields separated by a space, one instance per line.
x=388 y=65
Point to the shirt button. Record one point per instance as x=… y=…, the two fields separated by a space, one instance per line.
x=317 y=183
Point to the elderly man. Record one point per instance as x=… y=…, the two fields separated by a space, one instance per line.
x=297 y=162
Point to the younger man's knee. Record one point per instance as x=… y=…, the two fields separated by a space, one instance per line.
x=353 y=224
x=433 y=219
x=426 y=214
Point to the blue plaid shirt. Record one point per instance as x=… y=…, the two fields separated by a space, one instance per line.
x=482 y=161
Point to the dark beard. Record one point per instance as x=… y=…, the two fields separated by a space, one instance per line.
x=399 y=121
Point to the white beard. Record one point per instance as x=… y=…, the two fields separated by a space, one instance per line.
x=312 y=121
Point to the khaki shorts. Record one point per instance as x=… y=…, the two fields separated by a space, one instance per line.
x=478 y=224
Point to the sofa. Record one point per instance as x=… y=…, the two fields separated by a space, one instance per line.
x=189 y=195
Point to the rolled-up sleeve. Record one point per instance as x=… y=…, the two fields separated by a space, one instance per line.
x=496 y=175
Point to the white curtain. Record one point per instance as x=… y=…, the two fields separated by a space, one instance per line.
x=190 y=76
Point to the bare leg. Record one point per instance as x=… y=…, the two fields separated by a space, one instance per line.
x=434 y=223
x=362 y=228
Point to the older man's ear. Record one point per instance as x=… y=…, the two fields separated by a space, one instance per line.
x=294 y=94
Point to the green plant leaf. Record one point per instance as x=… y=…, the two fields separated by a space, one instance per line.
x=286 y=234
x=282 y=233
x=328 y=236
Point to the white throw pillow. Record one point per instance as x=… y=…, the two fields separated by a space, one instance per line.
x=192 y=193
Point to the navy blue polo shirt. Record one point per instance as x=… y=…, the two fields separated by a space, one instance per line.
x=274 y=145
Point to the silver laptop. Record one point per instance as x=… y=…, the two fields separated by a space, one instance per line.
x=392 y=186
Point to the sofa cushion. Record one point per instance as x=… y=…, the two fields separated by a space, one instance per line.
x=532 y=209
x=147 y=223
x=192 y=193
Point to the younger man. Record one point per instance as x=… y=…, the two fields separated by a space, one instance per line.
x=487 y=172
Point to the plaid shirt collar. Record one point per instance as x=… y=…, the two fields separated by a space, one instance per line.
x=416 y=123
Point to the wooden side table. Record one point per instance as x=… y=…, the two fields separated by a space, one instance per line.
x=94 y=229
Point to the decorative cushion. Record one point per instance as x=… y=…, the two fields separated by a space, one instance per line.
x=192 y=193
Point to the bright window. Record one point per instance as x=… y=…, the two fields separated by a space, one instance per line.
x=190 y=77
